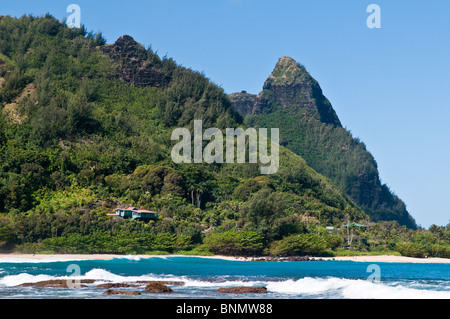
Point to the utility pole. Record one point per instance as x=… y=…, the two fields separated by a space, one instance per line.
x=349 y=240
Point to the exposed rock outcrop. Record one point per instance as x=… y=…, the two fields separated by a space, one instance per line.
x=117 y=285
x=291 y=88
x=288 y=258
x=134 y=66
x=158 y=287
x=242 y=290
x=151 y=286
x=56 y=283
x=119 y=292
x=246 y=103
x=165 y=282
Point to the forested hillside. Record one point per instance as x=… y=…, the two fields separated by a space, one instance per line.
x=85 y=127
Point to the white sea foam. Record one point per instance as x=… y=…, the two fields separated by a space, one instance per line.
x=129 y=257
x=99 y=275
x=15 y=280
x=352 y=289
x=104 y=275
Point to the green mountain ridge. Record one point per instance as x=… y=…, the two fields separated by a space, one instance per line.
x=292 y=101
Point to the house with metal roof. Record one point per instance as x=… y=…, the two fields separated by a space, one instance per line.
x=355 y=225
x=133 y=213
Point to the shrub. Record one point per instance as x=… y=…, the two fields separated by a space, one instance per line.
x=299 y=244
x=334 y=241
x=120 y=243
x=442 y=250
x=410 y=249
x=234 y=243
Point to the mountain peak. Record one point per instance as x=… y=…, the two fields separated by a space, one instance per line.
x=127 y=41
x=295 y=90
x=287 y=71
x=286 y=61
x=126 y=45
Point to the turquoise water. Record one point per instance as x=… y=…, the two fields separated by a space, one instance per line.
x=201 y=276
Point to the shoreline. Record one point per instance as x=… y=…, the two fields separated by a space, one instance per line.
x=390 y=259
x=14 y=257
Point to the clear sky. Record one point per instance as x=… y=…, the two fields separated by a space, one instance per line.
x=389 y=86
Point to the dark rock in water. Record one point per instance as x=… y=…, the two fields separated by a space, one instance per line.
x=170 y=283
x=157 y=287
x=118 y=292
x=243 y=290
x=57 y=283
x=112 y=285
x=288 y=258
x=117 y=285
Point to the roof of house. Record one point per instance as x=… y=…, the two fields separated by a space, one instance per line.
x=355 y=225
x=145 y=211
x=134 y=209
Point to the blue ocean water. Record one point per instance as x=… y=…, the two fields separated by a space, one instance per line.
x=202 y=276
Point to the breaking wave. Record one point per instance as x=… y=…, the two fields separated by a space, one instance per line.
x=308 y=287
x=357 y=289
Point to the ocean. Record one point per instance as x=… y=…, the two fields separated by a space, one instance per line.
x=202 y=276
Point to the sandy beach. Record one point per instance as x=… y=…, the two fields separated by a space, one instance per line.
x=68 y=257
x=391 y=259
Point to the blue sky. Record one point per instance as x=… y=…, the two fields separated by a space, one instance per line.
x=390 y=86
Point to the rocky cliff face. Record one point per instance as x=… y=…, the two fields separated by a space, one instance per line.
x=291 y=88
x=293 y=101
x=247 y=103
x=134 y=65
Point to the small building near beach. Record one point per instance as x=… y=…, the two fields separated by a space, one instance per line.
x=133 y=213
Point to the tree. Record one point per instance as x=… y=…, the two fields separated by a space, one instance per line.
x=410 y=249
x=242 y=243
x=262 y=211
x=299 y=244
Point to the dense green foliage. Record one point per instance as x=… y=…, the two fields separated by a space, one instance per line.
x=77 y=140
x=82 y=132
x=235 y=243
x=299 y=244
